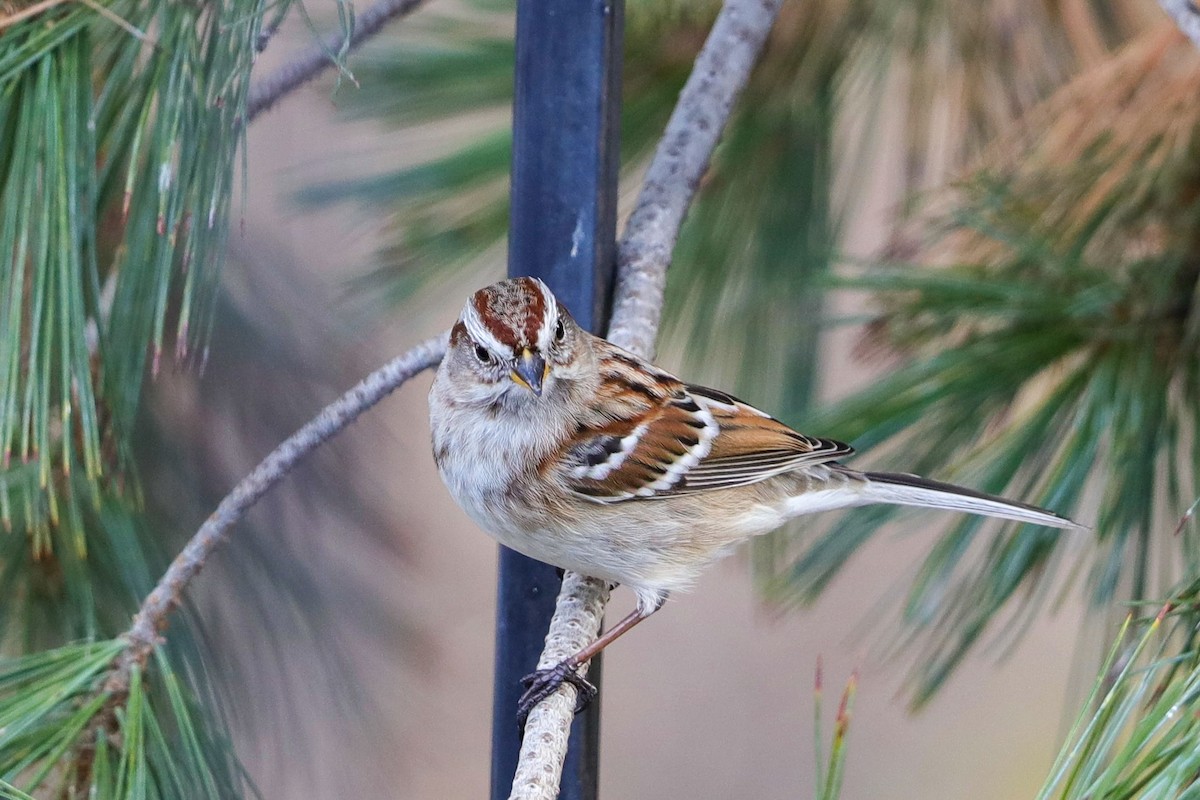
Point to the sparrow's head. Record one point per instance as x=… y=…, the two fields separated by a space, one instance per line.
x=516 y=340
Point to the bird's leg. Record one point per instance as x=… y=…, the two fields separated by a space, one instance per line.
x=544 y=682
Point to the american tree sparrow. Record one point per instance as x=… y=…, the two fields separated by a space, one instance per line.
x=575 y=452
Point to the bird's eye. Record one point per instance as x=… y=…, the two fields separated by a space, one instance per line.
x=482 y=354
x=560 y=332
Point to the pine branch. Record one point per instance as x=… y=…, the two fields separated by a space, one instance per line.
x=151 y=619
x=720 y=73
x=311 y=63
x=1186 y=15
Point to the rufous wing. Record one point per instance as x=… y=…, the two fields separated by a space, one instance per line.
x=661 y=438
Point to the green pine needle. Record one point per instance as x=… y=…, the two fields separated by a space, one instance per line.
x=10 y=792
x=115 y=184
x=1047 y=367
x=1139 y=735
x=46 y=701
x=829 y=771
x=72 y=589
x=61 y=733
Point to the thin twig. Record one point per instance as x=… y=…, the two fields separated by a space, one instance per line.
x=118 y=20
x=720 y=73
x=1186 y=15
x=29 y=11
x=311 y=63
x=151 y=619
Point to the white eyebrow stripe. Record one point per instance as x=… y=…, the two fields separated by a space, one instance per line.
x=550 y=318
x=479 y=332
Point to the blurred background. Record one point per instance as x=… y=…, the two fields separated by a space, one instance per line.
x=961 y=238
x=713 y=698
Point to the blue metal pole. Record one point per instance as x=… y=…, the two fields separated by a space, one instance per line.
x=563 y=230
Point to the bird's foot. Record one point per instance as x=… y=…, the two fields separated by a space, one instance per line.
x=543 y=683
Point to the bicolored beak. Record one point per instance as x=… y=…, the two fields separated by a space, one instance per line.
x=531 y=371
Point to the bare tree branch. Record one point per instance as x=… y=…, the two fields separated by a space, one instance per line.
x=1186 y=16
x=576 y=623
x=311 y=63
x=151 y=619
x=720 y=73
x=718 y=77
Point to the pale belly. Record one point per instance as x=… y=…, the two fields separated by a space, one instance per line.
x=653 y=547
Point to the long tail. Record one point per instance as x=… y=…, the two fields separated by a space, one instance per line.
x=911 y=490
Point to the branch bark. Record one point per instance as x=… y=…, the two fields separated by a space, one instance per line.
x=311 y=63
x=720 y=73
x=1186 y=16
x=151 y=619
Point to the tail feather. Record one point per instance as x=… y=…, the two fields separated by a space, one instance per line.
x=911 y=490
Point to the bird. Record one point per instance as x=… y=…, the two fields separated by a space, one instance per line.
x=571 y=450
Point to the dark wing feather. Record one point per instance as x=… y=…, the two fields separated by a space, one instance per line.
x=642 y=455
x=752 y=446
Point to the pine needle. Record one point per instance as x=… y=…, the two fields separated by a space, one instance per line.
x=829 y=771
x=111 y=16
x=1139 y=735
x=58 y=727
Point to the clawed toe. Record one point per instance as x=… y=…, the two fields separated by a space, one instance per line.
x=543 y=683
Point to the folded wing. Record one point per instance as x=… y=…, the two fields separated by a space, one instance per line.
x=652 y=436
